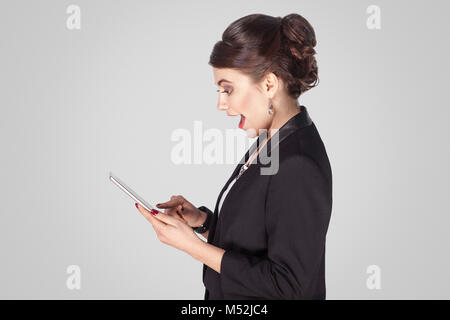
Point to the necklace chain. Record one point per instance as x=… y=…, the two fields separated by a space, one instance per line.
x=241 y=171
x=247 y=164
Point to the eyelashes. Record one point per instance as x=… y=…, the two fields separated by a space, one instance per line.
x=224 y=91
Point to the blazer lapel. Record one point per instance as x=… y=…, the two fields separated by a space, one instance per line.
x=298 y=121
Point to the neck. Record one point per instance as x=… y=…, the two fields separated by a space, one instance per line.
x=281 y=116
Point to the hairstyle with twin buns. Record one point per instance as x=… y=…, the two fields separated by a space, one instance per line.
x=257 y=44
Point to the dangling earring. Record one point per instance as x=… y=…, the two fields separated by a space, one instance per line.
x=270 y=108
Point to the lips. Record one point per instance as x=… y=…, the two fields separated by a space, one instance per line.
x=242 y=122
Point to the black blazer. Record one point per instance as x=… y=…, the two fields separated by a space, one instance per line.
x=273 y=226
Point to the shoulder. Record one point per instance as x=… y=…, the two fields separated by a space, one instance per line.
x=296 y=167
x=301 y=158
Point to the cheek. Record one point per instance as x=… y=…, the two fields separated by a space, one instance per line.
x=250 y=103
x=256 y=111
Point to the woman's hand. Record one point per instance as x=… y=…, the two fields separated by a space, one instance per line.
x=172 y=230
x=178 y=206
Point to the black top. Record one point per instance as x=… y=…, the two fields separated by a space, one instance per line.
x=273 y=225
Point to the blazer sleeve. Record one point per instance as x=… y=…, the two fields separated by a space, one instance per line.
x=298 y=209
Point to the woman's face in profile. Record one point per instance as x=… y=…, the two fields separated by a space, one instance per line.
x=240 y=97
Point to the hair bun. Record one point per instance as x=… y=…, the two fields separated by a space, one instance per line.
x=303 y=52
x=298 y=40
x=299 y=35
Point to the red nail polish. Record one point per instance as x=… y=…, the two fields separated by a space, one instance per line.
x=136 y=205
x=153 y=212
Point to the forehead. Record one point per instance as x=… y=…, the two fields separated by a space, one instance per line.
x=232 y=75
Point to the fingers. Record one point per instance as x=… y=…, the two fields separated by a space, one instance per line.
x=167 y=219
x=157 y=223
x=175 y=201
x=175 y=214
x=159 y=219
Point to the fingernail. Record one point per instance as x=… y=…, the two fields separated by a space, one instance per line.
x=136 y=205
x=154 y=212
x=182 y=208
x=158 y=204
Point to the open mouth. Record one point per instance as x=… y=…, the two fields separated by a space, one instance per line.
x=242 y=122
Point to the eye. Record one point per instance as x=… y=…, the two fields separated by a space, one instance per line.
x=224 y=91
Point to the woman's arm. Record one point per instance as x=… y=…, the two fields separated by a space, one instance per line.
x=208 y=254
x=175 y=232
x=298 y=208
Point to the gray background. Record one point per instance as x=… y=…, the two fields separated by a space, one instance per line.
x=77 y=104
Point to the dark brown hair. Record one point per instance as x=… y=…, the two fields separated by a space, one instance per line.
x=257 y=44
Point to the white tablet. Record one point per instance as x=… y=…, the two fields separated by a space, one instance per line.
x=130 y=192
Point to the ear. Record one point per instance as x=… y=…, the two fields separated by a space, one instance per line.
x=271 y=84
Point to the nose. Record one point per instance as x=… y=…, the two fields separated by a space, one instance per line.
x=222 y=106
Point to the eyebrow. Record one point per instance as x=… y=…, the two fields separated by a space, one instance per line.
x=223 y=80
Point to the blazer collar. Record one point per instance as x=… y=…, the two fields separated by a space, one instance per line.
x=300 y=120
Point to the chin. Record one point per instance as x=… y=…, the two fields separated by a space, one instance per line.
x=251 y=133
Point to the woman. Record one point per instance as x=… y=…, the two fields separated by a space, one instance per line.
x=266 y=236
